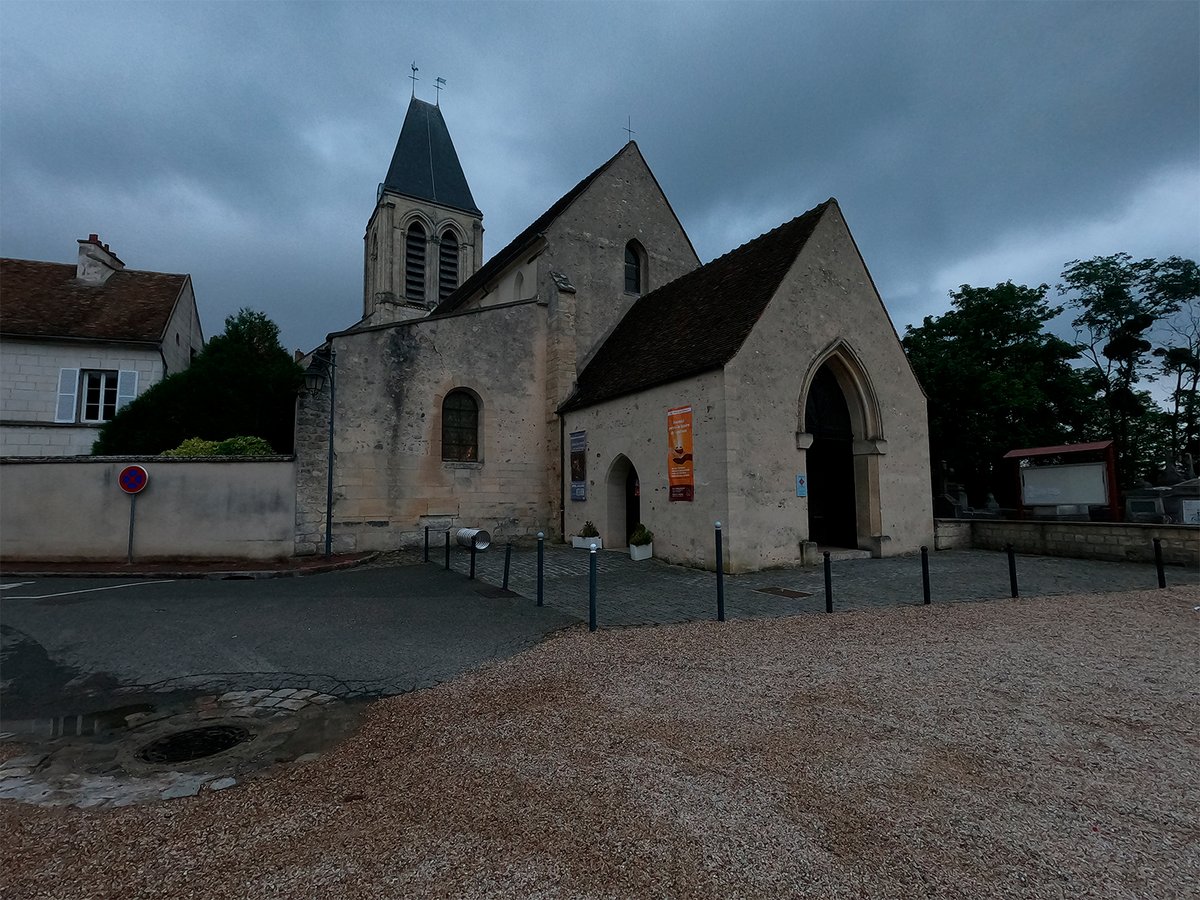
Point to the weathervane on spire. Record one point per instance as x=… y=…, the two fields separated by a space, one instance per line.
x=414 y=78
x=439 y=85
x=628 y=129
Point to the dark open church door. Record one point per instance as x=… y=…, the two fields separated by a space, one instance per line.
x=633 y=502
x=831 y=509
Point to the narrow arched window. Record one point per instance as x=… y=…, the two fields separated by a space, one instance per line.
x=633 y=268
x=414 y=263
x=460 y=427
x=519 y=286
x=447 y=265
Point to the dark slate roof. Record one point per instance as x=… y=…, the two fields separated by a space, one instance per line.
x=697 y=322
x=425 y=165
x=44 y=300
x=524 y=240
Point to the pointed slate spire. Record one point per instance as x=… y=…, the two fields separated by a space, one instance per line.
x=425 y=165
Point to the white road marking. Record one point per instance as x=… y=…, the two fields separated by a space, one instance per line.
x=5 y=587
x=111 y=587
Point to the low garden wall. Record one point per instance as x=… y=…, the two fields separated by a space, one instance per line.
x=72 y=508
x=1118 y=541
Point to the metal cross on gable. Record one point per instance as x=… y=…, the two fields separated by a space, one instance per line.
x=439 y=85
x=629 y=132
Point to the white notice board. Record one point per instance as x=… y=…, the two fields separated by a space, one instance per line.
x=1083 y=484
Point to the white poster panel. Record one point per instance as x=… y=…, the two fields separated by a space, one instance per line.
x=1082 y=484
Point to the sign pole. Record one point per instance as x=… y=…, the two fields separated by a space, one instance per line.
x=132 y=510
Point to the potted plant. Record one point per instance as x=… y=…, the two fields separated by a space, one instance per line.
x=587 y=536
x=641 y=543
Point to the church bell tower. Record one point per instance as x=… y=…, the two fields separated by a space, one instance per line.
x=425 y=235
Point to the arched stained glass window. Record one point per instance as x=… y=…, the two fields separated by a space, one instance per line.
x=447 y=265
x=414 y=263
x=633 y=268
x=460 y=427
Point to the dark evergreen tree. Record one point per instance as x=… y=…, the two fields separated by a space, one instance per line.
x=996 y=380
x=242 y=383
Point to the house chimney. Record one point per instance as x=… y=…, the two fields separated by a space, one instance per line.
x=96 y=262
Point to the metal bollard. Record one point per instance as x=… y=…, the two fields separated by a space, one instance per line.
x=541 y=560
x=472 y=575
x=592 y=589
x=447 y=550
x=925 y=573
x=720 y=579
x=507 y=561
x=426 y=543
x=1158 y=563
x=1012 y=569
x=828 y=584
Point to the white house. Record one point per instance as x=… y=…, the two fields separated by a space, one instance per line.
x=78 y=342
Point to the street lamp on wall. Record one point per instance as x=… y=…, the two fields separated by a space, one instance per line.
x=322 y=367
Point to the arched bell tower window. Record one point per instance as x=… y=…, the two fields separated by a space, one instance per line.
x=460 y=427
x=447 y=264
x=634 y=268
x=414 y=263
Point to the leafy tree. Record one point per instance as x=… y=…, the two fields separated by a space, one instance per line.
x=996 y=380
x=1121 y=303
x=243 y=383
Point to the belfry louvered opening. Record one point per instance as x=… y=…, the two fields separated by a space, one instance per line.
x=414 y=263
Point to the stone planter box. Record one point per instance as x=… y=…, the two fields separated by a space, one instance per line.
x=585 y=543
x=645 y=551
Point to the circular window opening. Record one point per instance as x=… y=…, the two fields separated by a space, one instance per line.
x=195 y=743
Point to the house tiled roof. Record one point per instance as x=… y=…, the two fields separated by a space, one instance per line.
x=524 y=240
x=696 y=323
x=44 y=300
x=425 y=165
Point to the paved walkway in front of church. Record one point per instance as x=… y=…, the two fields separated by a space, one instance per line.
x=652 y=592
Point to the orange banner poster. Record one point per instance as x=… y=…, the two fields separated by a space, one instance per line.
x=679 y=456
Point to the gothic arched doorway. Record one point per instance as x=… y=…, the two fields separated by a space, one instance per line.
x=624 y=502
x=830 y=463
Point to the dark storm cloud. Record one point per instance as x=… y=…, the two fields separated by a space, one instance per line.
x=242 y=143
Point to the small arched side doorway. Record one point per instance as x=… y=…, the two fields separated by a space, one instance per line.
x=830 y=463
x=624 y=502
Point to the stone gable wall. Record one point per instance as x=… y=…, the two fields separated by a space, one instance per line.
x=826 y=297
x=587 y=244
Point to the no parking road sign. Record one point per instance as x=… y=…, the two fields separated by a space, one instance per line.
x=133 y=479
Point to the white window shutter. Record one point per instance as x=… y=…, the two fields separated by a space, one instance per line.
x=126 y=386
x=68 y=387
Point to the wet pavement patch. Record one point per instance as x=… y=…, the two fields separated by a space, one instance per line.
x=169 y=747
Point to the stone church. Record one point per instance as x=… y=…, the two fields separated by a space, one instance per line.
x=594 y=371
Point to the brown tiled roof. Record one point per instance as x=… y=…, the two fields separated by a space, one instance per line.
x=522 y=241
x=44 y=300
x=697 y=322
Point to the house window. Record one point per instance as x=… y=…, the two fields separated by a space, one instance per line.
x=460 y=427
x=99 y=401
x=91 y=395
x=633 y=268
x=447 y=265
x=414 y=263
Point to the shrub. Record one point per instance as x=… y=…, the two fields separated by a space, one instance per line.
x=588 y=530
x=244 y=445
x=641 y=536
x=193 y=447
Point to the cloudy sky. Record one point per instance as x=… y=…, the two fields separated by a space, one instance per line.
x=243 y=142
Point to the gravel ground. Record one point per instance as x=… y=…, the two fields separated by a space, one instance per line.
x=1024 y=749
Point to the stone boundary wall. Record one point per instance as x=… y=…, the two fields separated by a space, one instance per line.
x=72 y=509
x=1117 y=541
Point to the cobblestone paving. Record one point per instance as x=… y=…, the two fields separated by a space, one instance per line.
x=652 y=592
